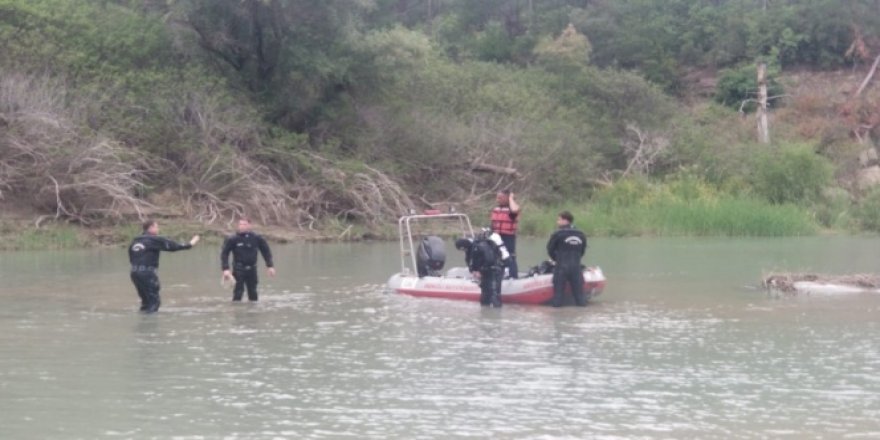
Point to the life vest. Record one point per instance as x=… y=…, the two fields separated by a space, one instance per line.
x=501 y=222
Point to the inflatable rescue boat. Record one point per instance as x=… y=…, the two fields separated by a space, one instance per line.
x=423 y=257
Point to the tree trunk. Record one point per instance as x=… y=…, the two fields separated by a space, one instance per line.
x=763 y=127
x=867 y=77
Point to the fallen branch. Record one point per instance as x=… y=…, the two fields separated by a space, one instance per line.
x=344 y=233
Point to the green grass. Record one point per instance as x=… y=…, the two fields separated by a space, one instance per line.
x=46 y=238
x=724 y=216
x=677 y=208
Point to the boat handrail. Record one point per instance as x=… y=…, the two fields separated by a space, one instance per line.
x=407 y=246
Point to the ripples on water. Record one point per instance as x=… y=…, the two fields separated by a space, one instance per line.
x=355 y=362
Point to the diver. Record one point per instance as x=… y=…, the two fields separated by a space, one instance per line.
x=244 y=245
x=483 y=258
x=143 y=254
x=566 y=247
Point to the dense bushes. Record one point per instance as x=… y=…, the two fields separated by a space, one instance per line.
x=868 y=211
x=684 y=205
x=790 y=174
x=298 y=112
x=660 y=39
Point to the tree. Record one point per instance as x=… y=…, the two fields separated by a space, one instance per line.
x=295 y=54
x=570 y=48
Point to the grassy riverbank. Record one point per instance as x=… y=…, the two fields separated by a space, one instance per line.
x=683 y=206
x=731 y=217
x=23 y=235
x=724 y=217
x=18 y=235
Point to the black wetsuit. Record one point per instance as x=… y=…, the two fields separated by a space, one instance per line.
x=566 y=247
x=482 y=257
x=244 y=247
x=143 y=254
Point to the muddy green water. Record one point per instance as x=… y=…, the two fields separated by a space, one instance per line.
x=682 y=344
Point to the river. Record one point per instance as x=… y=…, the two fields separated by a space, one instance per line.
x=682 y=344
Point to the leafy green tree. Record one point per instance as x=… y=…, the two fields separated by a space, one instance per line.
x=294 y=54
x=571 y=48
x=738 y=87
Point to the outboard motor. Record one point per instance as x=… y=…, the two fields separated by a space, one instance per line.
x=430 y=256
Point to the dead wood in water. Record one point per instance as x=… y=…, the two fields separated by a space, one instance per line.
x=785 y=282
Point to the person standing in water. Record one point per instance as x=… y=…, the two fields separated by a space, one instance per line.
x=483 y=259
x=566 y=247
x=143 y=254
x=244 y=246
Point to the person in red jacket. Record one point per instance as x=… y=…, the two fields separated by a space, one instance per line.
x=504 y=219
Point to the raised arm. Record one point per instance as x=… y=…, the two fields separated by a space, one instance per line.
x=514 y=207
x=169 y=245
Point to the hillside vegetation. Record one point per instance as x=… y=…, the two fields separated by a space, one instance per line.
x=321 y=114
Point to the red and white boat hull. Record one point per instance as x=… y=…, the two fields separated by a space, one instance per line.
x=458 y=284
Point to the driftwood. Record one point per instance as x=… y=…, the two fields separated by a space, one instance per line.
x=785 y=282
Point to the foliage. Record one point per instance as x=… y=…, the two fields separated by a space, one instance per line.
x=303 y=112
x=836 y=210
x=868 y=211
x=54 y=237
x=738 y=88
x=570 y=48
x=790 y=174
x=294 y=55
x=681 y=206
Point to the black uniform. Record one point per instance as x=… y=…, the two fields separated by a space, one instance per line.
x=566 y=247
x=143 y=254
x=244 y=247
x=482 y=256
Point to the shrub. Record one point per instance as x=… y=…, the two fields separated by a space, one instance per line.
x=624 y=193
x=835 y=211
x=868 y=210
x=791 y=174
